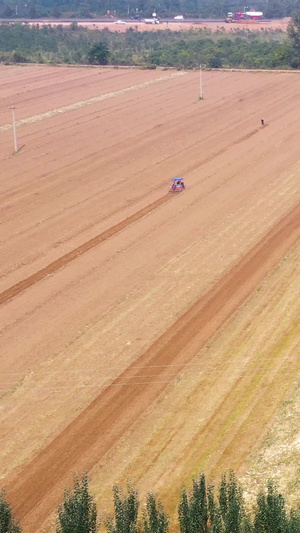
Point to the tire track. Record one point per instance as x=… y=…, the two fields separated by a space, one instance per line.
x=61 y=262
x=35 y=490
x=222 y=151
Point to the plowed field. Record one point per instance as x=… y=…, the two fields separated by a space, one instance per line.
x=144 y=334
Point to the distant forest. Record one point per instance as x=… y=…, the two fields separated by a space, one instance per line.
x=24 y=43
x=164 y=8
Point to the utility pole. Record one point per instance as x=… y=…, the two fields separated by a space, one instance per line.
x=13 y=107
x=201 y=84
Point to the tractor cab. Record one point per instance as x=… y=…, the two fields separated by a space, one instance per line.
x=177 y=185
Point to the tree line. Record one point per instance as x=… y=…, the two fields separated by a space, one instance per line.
x=201 y=509
x=165 y=8
x=23 y=43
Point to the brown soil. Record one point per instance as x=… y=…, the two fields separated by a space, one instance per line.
x=144 y=334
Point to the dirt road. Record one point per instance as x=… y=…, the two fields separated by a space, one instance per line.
x=250 y=25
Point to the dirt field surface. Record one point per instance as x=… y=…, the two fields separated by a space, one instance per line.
x=144 y=334
x=251 y=25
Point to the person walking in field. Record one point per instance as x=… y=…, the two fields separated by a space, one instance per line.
x=262 y=121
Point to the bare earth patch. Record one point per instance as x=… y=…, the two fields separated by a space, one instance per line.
x=146 y=335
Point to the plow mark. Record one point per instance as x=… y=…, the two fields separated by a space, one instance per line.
x=61 y=262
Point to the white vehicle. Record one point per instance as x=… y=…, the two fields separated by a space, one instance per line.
x=152 y=21
x=120 y=22
x=179 y=17
x=254 y=15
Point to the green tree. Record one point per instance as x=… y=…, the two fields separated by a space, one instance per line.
x=56 y=12
x=77 y=513
x=215 y=61
x=270 y=515
x=32 y=11
x=74 y=26
x=8 y=523
x=7 y=12
x=217 y=524
x=232 y=505
x=193 y=508
x=235 y=509
x=294 y=31
x=184 y=513
x=275 y=9
x=154 y=520
x=199 y=509
x=223 y=503
x=294 y=521
x=99 y=53
x=126 y=511
x=211 y=505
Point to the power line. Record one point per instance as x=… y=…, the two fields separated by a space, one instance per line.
x=140 y=367
x=151 y=382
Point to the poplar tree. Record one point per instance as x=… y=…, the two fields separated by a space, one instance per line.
x=8 y=524
x=294 y=521
x=223 y=503
x=211 y=505
x=193 y=508
x=199 y=511
x=77 y=513
x=126 y=507
x=184 y=513
x=235 y=507
x=217 y=524
x=270 y=515
x=231 y=505
x=155 y=520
